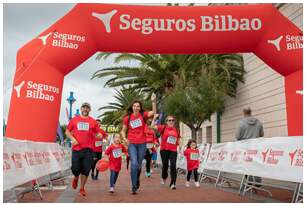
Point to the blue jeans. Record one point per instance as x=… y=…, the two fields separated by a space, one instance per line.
x=136 y=153
x=113 y=178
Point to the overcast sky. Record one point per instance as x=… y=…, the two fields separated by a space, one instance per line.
x=23 y=22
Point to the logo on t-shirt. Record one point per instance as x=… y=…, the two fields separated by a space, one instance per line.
x=136 y=123
x=117 y=152
x=171 y=140
x=194 y=156
x=84 y=126
x=98 y=143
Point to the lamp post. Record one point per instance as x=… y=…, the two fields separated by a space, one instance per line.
x=77 y=113
x=70 y=100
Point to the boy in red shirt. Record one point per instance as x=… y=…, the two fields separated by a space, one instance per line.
x=192 y=157
x=114 y=153
x=97 y=149
x=82 y=130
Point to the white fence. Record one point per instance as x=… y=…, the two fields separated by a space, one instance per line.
x=24 y=161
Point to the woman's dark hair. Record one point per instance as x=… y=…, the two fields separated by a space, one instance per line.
x=130 y=108
x=191 y=141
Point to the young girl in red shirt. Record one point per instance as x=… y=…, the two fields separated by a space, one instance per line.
x=114 y=154
x=192 y=157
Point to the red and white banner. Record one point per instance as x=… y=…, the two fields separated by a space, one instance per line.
x=278 y=158
x=24 y=161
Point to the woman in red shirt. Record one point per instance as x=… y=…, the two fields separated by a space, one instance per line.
x=114 y=153
x=170 y=140
x=192 y=156
x=133 y=129
x=151 y=142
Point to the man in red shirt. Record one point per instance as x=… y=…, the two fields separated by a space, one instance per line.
x=82 y=130
x=97 y=149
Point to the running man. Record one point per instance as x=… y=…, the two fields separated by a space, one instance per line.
x=82 y=130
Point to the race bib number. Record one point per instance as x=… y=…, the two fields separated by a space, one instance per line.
x=136 y=123
x=117 y=153
x=150 y=145
x=98 y=143
x=83 y=126
x=194 y=156
x=171 y=140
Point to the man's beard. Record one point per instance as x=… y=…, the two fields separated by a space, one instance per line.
x=85 y=113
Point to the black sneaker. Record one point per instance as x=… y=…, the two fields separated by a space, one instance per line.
x=92 y=177
x=134 y=191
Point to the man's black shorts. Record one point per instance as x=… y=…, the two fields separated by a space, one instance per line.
x=82 y=161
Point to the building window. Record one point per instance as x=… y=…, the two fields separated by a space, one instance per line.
x=209 y=134
x=199 y=136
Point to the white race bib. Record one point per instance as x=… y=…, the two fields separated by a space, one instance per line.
x=171 y=140
x=136 y=123
x=117 y=153
x=83 y=126
x=150 y=145
x=98 y=143
x=194 y=156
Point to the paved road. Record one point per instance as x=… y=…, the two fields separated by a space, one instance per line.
x=150 y=191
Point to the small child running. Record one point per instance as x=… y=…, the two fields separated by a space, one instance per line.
x=114 y=154
x=192 y=157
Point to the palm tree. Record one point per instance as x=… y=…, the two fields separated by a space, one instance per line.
x=115 y=111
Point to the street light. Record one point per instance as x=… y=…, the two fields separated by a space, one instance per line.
x=77 y=113
x=70 y=100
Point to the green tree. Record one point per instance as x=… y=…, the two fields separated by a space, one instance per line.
x=115 y=111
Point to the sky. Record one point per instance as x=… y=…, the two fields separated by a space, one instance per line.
x=22 y=23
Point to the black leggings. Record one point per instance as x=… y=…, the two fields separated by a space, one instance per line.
x=98 y=156
x=195 y=175
x=167 y=155
x=148 y=158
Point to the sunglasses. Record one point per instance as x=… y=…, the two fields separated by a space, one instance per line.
x=170 y=120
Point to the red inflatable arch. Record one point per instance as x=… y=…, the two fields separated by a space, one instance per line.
x=87 y=28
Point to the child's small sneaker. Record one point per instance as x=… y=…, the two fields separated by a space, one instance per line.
x=162 y=181
x=148 y=174
x=187 y=184
x=197 y=184
x=111 y=190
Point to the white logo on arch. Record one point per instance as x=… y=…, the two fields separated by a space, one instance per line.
x=105 y=18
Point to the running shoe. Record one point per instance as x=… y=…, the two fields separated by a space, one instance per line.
x=75 y=182
x=82 y=192
x=187 y=184
x=197 y=184
x=134 y=191
x=162 y=181
x=148 y=174
x=111 y=190
x=172 y=186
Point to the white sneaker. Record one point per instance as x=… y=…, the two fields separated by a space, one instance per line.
x=162 y=181
x=197 y=184
x=111 y=190
x=187 y=184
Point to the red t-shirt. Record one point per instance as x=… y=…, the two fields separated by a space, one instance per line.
x=151 y=138
x=97 y=147
x=114 y=153
x=192 y=157
x=136 y=128
x=84 y=131
x=169 y=139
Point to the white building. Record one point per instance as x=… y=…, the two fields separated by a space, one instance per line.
x=263 y=91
